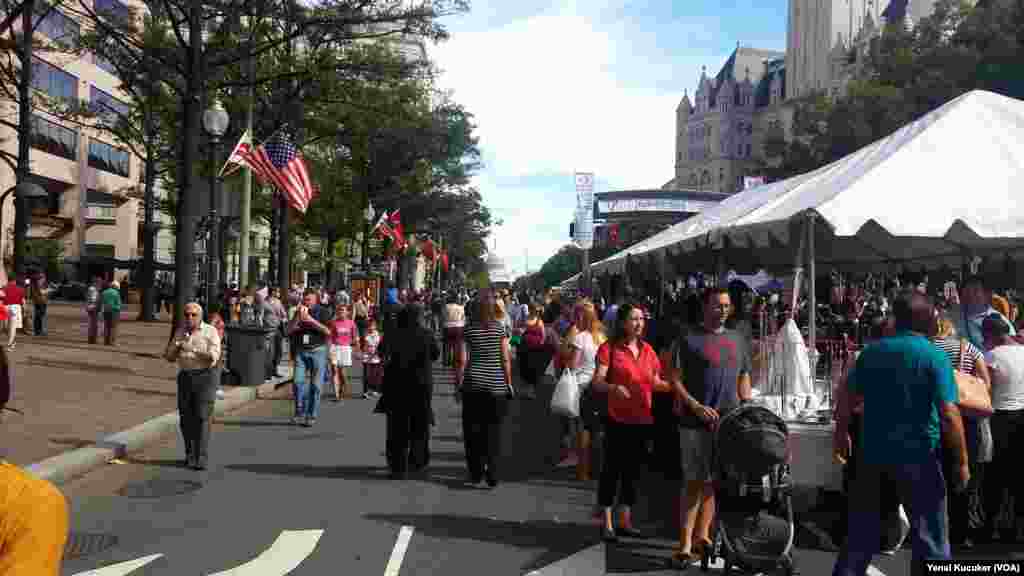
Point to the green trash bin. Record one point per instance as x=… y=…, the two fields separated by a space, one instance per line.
x=247 y=358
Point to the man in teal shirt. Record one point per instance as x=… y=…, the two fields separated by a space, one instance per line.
x=909 y=394
x=111 y=303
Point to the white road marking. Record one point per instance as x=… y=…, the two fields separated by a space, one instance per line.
x=872 y=571
x=121 y=569
x=398 y=553
x=583 y=563
x=283 y=556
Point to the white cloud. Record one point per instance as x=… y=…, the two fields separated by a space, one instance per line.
x=555 y=93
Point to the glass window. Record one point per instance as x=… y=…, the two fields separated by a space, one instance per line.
x=739 y=149
x=53 y=138
x=103 y=156
x=53 y=81
x=57 y=26
x=748 y=149
x=107 y=108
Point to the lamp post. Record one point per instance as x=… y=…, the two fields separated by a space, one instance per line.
x=215 y=122
x=368 y=214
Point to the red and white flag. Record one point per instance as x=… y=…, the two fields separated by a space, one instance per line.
x=279 y=163
x=237 y=158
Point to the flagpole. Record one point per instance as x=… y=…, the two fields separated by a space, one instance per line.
x=246 y=201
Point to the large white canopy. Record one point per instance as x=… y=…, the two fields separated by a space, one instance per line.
x=946 y=184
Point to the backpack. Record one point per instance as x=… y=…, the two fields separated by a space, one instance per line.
x=535 y=336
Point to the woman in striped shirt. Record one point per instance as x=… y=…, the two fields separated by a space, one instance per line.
x=483 y=379
x=965 y=518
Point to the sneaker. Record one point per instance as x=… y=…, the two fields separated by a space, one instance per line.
x=296 y=420
x=308 y=422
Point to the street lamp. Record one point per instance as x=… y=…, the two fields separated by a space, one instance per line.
x=369 y=214
x=215 y=122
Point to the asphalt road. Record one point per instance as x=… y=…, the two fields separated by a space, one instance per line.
x=268 y=478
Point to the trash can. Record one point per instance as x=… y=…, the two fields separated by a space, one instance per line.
x=248 y=357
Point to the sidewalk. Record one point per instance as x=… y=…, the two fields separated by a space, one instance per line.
x=75 y=394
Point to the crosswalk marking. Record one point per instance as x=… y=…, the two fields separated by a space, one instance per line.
x=398 y=553
x=122 y=569
x=283 y=556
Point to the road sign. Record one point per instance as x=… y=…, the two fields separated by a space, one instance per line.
x=584 y=210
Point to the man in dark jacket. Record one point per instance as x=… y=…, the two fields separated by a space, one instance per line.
x=408 y=391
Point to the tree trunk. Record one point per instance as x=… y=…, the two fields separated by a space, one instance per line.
x=185 y=222
x=332 y=237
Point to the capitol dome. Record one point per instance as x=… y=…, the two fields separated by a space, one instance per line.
x=496 y=270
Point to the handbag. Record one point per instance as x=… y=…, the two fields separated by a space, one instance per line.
x=974 y=398
x=566 y=399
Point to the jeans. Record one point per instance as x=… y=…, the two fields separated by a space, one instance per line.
x=39 y=320
x=307 y=394
x=921 y=488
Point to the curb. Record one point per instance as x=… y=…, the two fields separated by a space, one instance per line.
x=62 y=468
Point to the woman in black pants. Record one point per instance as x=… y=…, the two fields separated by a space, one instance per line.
x=483 y=380
x=628 y=369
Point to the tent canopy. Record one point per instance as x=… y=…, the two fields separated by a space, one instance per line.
x=938 y=188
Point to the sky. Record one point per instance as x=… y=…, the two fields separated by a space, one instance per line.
x=564 y=87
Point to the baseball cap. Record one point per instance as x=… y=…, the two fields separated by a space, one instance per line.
x=5 y=383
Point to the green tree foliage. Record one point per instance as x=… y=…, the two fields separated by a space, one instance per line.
x=562 y=266
x=903 y=75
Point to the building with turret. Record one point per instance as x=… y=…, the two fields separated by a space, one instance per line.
x=715 y=141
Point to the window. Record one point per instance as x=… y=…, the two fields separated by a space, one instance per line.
x=56 y=25
x=739 y=150
x=748 y=150
x=105 y=157
x=53 y=138
x=55 y=82
x=107 y=108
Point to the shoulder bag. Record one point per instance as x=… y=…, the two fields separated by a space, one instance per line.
x=974 y=397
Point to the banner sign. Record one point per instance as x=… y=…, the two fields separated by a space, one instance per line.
x=585 y=210
x=653 y=205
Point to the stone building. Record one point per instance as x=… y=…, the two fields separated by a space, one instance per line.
x=715 y=133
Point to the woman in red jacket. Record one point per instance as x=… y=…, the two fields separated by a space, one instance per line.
x=628 y=369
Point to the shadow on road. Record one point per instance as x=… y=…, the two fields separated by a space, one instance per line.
x=161 y=462
x=448 y=477
x=558 y=538
x=146 y=392
x=256 y=423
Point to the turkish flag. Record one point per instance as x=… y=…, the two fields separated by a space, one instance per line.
x=444 y=260
x=395 y=220
x=428 y=250
x=613 y=234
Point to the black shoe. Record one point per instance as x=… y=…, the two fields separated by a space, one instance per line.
x=608 y=535
x=492 y=481
x=199 y=466
x=396 y=475
x=629 y=532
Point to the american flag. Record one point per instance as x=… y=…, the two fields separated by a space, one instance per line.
x=279 y=163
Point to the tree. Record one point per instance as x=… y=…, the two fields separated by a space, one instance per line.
x=205 y=44
x=903 y=75
x=567 y=262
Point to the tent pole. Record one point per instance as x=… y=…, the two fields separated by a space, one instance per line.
x=812 y=301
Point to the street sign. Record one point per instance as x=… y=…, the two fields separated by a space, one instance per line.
x=584 y=232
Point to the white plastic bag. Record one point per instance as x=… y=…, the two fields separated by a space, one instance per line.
x=566 y=399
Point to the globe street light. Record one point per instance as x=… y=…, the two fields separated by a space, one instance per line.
x=215 y=122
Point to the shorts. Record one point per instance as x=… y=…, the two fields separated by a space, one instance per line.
x=696 y=448
x=341 y=355
x=14 y=315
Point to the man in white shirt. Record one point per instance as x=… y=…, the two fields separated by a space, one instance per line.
x=1005 y=359
x=196 y=348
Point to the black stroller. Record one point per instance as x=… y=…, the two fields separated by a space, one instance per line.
x=754 y=526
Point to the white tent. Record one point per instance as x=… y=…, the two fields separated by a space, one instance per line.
x=939 y=188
